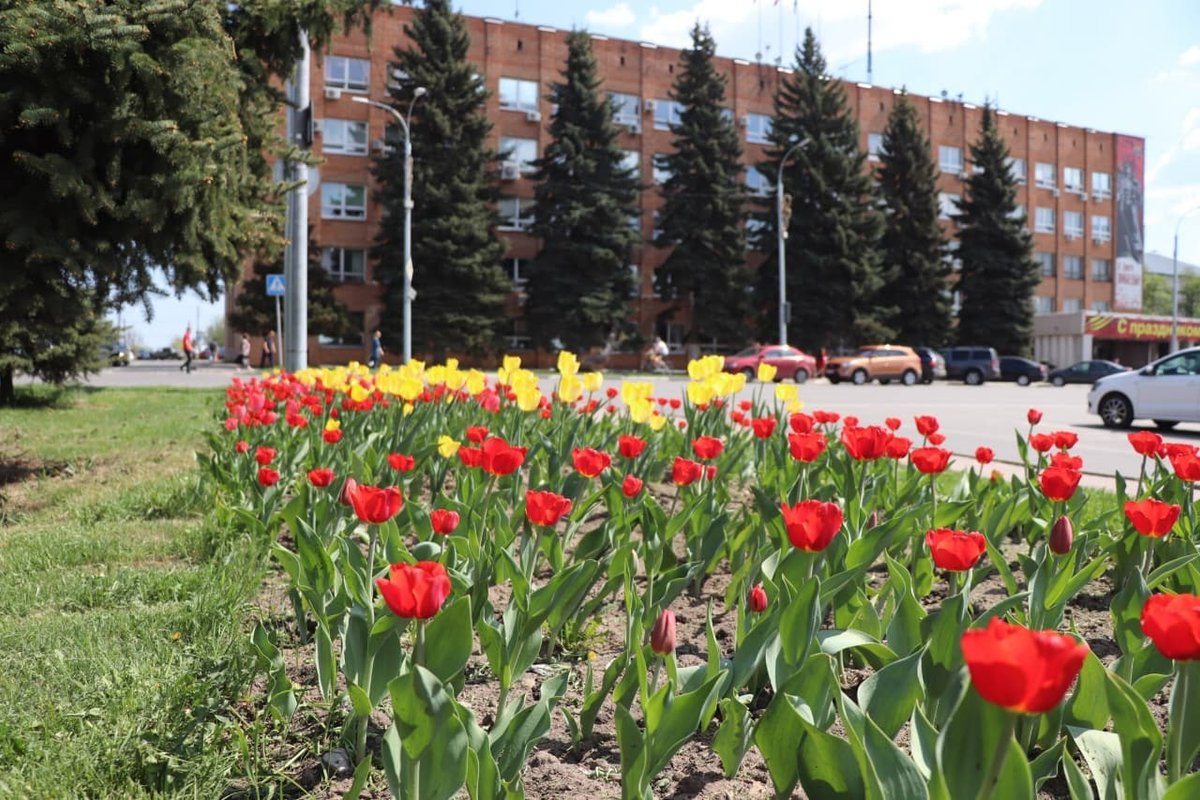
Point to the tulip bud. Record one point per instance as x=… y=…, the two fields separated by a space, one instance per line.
x=758 y=599
x=662 y=635
x=874 y=520
x=1061 y=536
x=347 y=488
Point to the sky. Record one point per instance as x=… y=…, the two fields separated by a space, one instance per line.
x=1111 y=65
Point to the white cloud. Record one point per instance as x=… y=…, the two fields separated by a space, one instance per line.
x=619 y=16
x=1190 y=143
x=1190 y=56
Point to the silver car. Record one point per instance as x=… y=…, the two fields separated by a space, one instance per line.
x=1166 y=391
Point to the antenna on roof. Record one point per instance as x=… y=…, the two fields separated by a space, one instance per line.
x=869 y=20
x=517 y=9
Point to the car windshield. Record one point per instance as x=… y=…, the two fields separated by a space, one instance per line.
x=749 y=351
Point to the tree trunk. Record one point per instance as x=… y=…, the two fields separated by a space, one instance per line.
x=8 y=392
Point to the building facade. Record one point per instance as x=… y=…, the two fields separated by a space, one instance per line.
x=1071 y=178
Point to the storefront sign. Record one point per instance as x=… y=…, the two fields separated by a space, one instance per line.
x=1142 y=329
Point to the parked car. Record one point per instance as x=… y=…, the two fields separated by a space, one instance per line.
x=1021 y=370
x=882 y=362
x=972 y=365
x=144 y=354
x=166 y=354
x=790 y=362
x=1166 y=391
x=933 y=366
x=119 y=355
x=1085 y=372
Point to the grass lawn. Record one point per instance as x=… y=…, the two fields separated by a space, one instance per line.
x=121 y=604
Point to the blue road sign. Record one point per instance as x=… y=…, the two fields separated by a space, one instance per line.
x=276 y=286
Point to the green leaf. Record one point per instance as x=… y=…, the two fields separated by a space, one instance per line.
x=1101 y=751
x=1183 y=725
x=968 y=744
x=448 y=639
x=1077 y=784
x=530 y=724
x=281 y=698
x=827 y=766
x=888 y=696
x=359 y=700
x=1088 y=706
x=1168 y=569
x=1045 y=766
x=632 y=745
x=361 y=774
x=1141 y=742
x=904 y=630
x=1187 y=788
x=733 y=738
x=430 y=732
x=891 y=773
x=1126 y=610
x=680 y=717
x=325 y=663
x=866 y=648
x=777 y=737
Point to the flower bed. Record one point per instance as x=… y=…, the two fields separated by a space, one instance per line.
x=449 y=530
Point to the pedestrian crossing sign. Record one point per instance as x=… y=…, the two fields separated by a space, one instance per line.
x=276 y=286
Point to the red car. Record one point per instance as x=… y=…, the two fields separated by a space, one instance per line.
x=789 y=361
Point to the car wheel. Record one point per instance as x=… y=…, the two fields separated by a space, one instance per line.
x=1115 y=411
x=1166 y=424
x=801 y=375
x=859 y=377
x=909 y=378
x=1022 y=380
x=1059 y=381
x=749 y=373
x=834 y=379
x=973 y=377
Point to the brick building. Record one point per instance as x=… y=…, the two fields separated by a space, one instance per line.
x=1069 y=175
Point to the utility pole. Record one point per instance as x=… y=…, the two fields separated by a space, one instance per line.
x=1175 y=281
x=782 y=220
x=295 y=261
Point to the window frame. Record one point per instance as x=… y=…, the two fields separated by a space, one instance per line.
x=519 y=222
x=342 y=211
x=673 y=112
x=947 y=164
x=621 y=113
x=1105 y=234
x=1020 y=176
x=1104 y=275
x=1074 y=186
x=343 y=82
x=1107 y=180
x=1040 y=170
x=758 y=128
x=760 y=189
x=515 y=144
x=1039 y=226
x=333 y=261
x=1073 y=231
x=874 y=145
x=1071 y=272
x=522 y=104
x=330 y=124
x=1047 y=259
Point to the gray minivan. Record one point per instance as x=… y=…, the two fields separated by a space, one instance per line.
x=973 y=365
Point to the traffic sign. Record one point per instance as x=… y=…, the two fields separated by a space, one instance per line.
x=276 y=285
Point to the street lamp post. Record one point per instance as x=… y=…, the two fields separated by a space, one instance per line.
x=781 y=235
x=1175 y=281
x=418 y=93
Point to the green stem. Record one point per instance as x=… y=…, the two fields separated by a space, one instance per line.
x=654 y=676
x=1180 y=695
x=360 y=744
x=1141 y=476
x=412 y=775
x=1010 y=725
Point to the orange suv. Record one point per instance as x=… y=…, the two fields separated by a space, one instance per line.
x=882 y=362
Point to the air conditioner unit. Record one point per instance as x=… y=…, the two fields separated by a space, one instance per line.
x=510 y=171
x=743 y=121
x=533 y=116
x=1070 y=237
x=1083 y=196
x=1054 y=189
x=381 y=145
x=634 y=127
x=333 y=94
x=317 y=124
x=1099 y=240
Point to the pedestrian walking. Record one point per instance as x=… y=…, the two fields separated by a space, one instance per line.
x=376 y=351
x=268 y=351
x=244 y=355
x=186 y=366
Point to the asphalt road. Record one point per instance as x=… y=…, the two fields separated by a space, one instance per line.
x=970 y=415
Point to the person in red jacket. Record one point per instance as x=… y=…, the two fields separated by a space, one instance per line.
x=187 y=350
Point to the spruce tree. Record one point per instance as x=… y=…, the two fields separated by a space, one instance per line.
x=580 y=283
x=701 y=219
x=833 y=271
x=913 y=247
x=999 y=275
x=457 y=257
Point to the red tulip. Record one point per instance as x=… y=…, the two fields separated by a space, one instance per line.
x=1065 y=440
x=826 y=417
x=631 y=486
x=1062 y=536
x=332 y=435
x=1042 y=442
x=812 y=524
x=630 y=446
x=707 y=448
x=415 y=591
x=926 y=425
x=935 y=439
x=955 y=550
x=545 y=508
x=476 y=433
x=501 y=458
x=1034 y=416
x=401 y=462
x=806 y=447
x=662 y=635
x=320 y=477
x=892 y=423
x=685 y=471
x=1067 y=461
x=470 y=456
x=931 y=460
x=611 y=392
x=1172 y=621
x=758 y=599
x=588 y=462
x=1186 y=466
x=866 y=444
x=1019 y=669
x=241 y=447
x=763 y=427
x=375 y=505
x=264 y=455
x=1172 y=449
x=710 y=472
x=801 y=423
x=1152 y=517
x=268 y=476
x=1059 y=483
x=898 y=446
x=347 y=489
x=443 y=521
x=1145 y=443
x=849 y=422
x=984 y=455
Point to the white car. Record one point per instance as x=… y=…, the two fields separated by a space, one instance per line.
x=1166 y=391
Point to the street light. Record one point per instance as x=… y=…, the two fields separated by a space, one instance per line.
x=418 y=93
x=781 y=234
x=1175 y=282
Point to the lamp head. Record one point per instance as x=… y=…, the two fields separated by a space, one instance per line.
x=420 y=91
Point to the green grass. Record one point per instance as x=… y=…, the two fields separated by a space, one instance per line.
x=121 y=606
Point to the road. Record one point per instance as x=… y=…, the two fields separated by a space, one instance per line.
x=970 y=415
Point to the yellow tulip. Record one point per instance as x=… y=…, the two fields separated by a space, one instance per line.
x=436 y=375
x=657 y=421
x=332 y=424
x=446 y=446
x=476 y=382
x=592 y=381
x=786 y=392
x=639 y=409
x=358 y=393
x=452 y=364
x=766 y=372
x=700 y=394
x=795 y=406
x=635 y=390
x=528 y=398
x=408 y=409
x=409 y=388
x=570 y=389
x=455 y=379
x=568 y=364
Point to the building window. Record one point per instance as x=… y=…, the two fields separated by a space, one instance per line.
x=516 y=213
x=344 y=265
x=1043 y=304
x=1018 y=212
x=1073 y=267
x=660 y=173
x=1072 y=304
x=948 y=205
x=757 y=183
x=950 y=159
x=627 y=108
x=656 y=231
x=1103 y=306
x=1017 y=167
x=1046 y=263
x=518 y=95
x=1073 y=179
x=1073 y=224
x=352 y=339
x=1101 y=185
x=666 y=114
x=518 y=270
x=1043 y=220
x=1101 y=228
x=522 y=152
x=874 y=145
x=350 y=74
x=1043 y=175
x=1101 y=269
x=758 y=128
x=344 y=136
x=343 y=201
x=632 y=160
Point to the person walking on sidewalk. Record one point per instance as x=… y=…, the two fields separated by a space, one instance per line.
x=376 y=351
x=268 y=351
x=244 y=358
x=186 y=366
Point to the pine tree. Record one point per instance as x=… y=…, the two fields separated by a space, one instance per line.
x=580 y=283
x=833 y=271
x=702 y=216
x=999 y=275
x=913 y=245
x=457 y=256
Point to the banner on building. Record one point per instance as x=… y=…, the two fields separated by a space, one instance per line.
x=1127 y=275
x=1139 y=328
